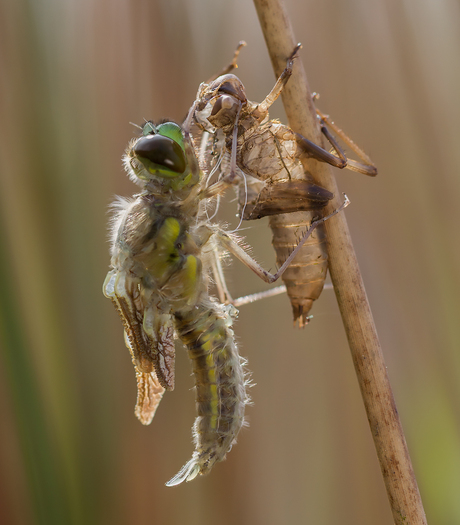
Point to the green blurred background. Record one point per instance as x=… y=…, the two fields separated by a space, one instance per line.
x=73 y=75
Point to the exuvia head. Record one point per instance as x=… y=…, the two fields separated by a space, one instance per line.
x=220 y=102
x=158 y=158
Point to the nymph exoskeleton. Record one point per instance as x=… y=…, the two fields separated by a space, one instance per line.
x=264 y=158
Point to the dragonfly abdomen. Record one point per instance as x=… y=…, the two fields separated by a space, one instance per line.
x=220 y=386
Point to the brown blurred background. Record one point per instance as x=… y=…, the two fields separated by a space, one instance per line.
x=73 y=75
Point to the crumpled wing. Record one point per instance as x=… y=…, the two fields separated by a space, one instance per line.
x=149 y=391
x=159 y=335
x=149 y=394
x=150 y=341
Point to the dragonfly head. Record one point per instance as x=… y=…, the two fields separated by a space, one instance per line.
x=158 y=159
x=220 y=102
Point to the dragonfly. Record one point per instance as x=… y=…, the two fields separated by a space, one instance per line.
x=163 y=251
x=264 y=158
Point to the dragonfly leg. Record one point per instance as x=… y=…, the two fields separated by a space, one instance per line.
x=277 y=290
x=252 y=298
x=235 y=249
x=219 y=278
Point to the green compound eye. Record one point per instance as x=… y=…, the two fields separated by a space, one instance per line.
x=162 y=151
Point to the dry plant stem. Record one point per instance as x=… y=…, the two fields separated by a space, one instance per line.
x=382 y=414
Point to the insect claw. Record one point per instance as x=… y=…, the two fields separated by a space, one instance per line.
x=296 y=50
x=346 y=201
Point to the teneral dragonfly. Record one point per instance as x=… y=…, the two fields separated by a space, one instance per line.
x=264 y=157
x=160 y=258
x=163 y=248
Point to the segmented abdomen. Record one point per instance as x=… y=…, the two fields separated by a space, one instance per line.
x=305 y=276
x=220 y=386
x=273 y=155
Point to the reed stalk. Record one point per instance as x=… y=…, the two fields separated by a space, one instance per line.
x=385 y=425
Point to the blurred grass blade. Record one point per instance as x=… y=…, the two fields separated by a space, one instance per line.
x=44 y=475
